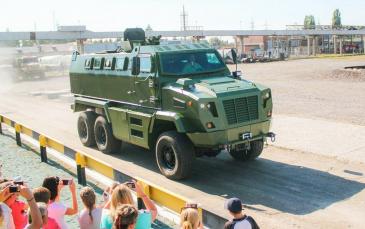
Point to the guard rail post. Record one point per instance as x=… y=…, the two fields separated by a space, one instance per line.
x=43 y=148
x=18 y=129
x=1 y=121
x=81 y=164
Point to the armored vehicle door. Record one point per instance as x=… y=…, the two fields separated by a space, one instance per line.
x=144 y=72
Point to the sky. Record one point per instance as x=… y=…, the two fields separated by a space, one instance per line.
x=116 y=15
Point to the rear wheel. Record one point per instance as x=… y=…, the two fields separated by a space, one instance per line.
x=104 y=138
x=174 y=155
x=255 y=150
x=85 y=128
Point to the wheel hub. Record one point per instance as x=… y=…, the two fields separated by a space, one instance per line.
x=83 y=130
x=169 y=157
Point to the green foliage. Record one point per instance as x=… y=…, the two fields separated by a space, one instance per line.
x=309 y=22
x=336 y=19
x=216 y=42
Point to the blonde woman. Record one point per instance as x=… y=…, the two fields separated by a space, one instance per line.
x=122 y=195
x=189 y=217
x=90 y=216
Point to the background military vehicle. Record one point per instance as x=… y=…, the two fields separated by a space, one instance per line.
x=27 y=67
x=180 y=101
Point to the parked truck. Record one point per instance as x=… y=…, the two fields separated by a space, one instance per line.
x=179 y=101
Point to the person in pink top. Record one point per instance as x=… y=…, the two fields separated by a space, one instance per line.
x=56 y=209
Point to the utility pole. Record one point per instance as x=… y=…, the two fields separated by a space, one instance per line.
x=252 y=24
x=184 y=20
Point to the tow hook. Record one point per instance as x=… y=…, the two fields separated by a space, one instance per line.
x=272 y=136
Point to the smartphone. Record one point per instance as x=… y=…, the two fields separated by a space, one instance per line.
x=131 y=185
x=13 y=189
x=19 y=182
x=66 y=182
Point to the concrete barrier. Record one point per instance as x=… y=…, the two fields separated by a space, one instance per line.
x=158 y=194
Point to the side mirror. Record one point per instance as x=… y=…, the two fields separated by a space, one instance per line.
x=237 y=75
x=136 y=62
x=153 y=64
x=234 y=55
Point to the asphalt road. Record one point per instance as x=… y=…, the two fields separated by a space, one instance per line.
x=286 y=187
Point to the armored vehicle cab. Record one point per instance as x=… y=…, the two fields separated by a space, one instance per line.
x=180 y=101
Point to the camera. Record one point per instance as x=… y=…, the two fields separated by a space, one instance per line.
x=65 y=182
x=13 y=189
x=131 y=185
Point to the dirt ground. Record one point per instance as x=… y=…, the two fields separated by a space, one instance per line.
x=314 y=88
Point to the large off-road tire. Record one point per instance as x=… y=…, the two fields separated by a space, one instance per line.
x=104 y=138
x=175 y=155
x=85 y=128
x=256 y=148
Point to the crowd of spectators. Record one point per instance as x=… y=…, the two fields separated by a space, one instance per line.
x=23 y=208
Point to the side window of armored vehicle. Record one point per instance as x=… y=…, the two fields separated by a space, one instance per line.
x=121 y=63
x=89 y=63
x=145 y=64
x=108 y=63
x=98 y=63
x=212 y=58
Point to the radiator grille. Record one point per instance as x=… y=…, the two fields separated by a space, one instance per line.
x=241 y=109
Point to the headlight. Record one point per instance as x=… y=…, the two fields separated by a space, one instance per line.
x=266 y=95
x=210 y=106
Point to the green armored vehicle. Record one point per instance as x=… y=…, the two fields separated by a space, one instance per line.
x=180 y=101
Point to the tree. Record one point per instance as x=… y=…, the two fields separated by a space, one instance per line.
x=309 y=22
x=336 y=19
x=216 y=42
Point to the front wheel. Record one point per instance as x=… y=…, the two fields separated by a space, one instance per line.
x=104 y=137
x=174 y=155
x=255 y=150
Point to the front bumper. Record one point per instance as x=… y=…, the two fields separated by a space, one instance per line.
x=230 y=137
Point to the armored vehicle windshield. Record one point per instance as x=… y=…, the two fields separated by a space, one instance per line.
x=190 y=63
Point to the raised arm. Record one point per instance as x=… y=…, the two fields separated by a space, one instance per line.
x=74 y=210
x=150 y=206
x=34 y=211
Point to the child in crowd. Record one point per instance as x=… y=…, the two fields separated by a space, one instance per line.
x=126 y=217
x=240 y=219
x=189 y=217
x=58 y=210
x=122 y=195
x=44 y=213
x=90 y=216
x=42 y=195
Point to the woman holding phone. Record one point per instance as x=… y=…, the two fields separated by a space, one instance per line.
x=122 y=195
x=56 y=209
